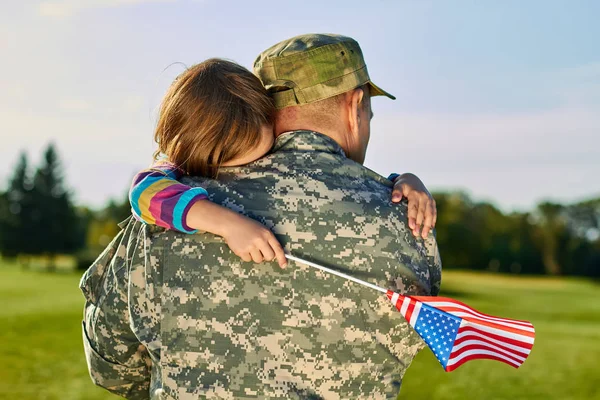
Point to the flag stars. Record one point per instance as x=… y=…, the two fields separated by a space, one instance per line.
x=438 y=331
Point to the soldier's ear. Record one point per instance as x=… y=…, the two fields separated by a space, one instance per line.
x=354 y=121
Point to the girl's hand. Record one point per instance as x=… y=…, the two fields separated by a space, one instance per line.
x=421 y=205
x=252 y=241
x=246 y=238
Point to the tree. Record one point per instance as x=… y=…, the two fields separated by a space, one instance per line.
x=54 y=216
x=528 y=255
x=479 y=236
x=100 y=228
x=552 y=236
x=16 y=212
x=4 y=216
x=118 y=210
x=583 y=221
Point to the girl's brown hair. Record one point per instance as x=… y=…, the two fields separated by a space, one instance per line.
x=212 y=113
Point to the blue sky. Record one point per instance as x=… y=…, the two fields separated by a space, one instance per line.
x=501 y=99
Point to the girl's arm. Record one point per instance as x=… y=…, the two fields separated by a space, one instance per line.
x=158 y=198
x=422 y=209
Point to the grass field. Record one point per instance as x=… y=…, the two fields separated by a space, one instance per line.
x=41 y=354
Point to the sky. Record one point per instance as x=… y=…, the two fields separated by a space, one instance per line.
x=500 y=99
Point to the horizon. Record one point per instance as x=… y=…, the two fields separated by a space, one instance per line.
x=124 y=196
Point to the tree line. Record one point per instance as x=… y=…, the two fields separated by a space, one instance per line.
x=551 y=239
x=38 y=217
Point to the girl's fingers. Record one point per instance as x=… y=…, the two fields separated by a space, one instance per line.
x=413 y=209
x=257 y=256
x=245 y=256
x=428 y=224
x=420 y=216
x=396 y=194
x=279 y=254
x=267 y=251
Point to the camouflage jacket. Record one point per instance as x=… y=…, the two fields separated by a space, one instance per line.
x=176 y=316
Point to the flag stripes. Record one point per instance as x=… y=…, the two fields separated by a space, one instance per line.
x=443 y=302
x=469 y=333
x=473 y=344
x=478 y=336
x=475 y=355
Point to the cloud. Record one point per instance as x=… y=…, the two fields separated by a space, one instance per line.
x=133 y=103
x=585 y=71
x=16 y=92
x=579 y=85
x=74 y=104
x=515 y=159
x=561 y=130
x=67 y=8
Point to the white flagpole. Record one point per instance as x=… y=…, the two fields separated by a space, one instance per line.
x=334 y=272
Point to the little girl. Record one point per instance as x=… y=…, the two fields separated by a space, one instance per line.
x=217 y=113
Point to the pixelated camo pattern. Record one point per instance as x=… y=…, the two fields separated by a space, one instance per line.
x=176 y=316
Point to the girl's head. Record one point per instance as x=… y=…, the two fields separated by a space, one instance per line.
x=216 y=113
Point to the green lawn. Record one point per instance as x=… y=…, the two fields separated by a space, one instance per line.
x=564 y=362
x=41 y=354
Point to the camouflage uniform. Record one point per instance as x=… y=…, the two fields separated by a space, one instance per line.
x=176 y=316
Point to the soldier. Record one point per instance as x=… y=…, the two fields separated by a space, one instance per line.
x=175 y=316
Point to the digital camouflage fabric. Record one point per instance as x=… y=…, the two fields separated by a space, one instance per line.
x=176 y=316
x=116 y=358
x=313 y=67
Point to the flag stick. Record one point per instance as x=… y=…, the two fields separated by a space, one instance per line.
x=334 y=272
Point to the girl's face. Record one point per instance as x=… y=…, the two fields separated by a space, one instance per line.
x=261 y=148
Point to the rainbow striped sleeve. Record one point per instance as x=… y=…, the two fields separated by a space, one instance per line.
x=158 y=198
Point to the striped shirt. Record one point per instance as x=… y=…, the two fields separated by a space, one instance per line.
x=157 y=198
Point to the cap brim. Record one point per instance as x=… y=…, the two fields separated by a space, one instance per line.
x=377 y=91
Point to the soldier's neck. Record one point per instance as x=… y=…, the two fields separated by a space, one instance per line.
x=336 y=134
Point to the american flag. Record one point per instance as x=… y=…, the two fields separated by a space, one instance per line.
x=456 y=333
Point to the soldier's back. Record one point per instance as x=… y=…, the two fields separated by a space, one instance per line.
x=230 y=329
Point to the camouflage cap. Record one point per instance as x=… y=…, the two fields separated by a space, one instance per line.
x=313 y=67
